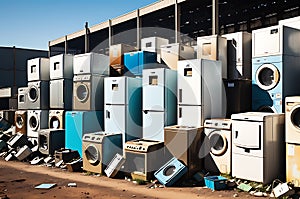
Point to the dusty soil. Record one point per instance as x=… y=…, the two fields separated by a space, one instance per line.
x=18 y=179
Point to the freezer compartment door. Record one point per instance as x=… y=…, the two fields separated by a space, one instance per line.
x=115 y=90
x=190 y=116
x=153 y=125
x=247 y=134
x=189 y=82
x=115 y=118
x=153 y=89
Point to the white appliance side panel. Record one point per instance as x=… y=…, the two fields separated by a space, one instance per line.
x=82 y=64
x=248 y=167
x=153 y=89
x=190 y=116
x=115 y=90
x=115 y=119
x=153 y=125
x=189 y=82
x=56 y=93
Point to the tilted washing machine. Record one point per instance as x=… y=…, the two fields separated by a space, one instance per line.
x=91 y=63
x=56 y=119
x=217 y=146
x=258 y=147
x=36 y=120
x=22 y=98
x=61 y=66
x=88 y=92
x=21 y=122
x=61 y=91
x=38 y=69
x=50 y=140
x=78 y=123
x=38 y=95
x=98 y=149
x=275 y=71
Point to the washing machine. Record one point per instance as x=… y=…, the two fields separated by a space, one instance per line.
x=217 y=146
x=61 y=91
x=36 y=120
x=292 y=119
x=79 y=123
x=50 y=140
x=98 y=149
x=21 y=122
x=258 y=147
x=38 y=95
x=38 y=69
x=274 y=78
x=88 y=92
x=91 y=63
x=22 y=98
x=61 y=66
x=56 y=119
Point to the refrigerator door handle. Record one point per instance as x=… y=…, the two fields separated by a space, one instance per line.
x=180 y=112
x=180 y=95
x=108 y=114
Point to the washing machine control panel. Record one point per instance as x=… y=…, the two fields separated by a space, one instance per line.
x=218 y=123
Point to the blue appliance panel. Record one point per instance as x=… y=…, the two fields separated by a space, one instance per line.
x=78 y=123
x=135 y=62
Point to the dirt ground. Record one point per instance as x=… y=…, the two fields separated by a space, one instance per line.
x=18 y=179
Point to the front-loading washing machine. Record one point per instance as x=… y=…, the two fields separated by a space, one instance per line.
x=98 y=149
x=22 y=98
x=292 y=119
x=21 y=122
x=61 y=91
x=38 y=95
x=274 y=78
x=217 y=146
x=88 y=92
x=258 y=147
x=36 y=120
x=56 y=119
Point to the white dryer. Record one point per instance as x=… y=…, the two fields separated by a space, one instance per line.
x=22 y=98
x=38 y=69
x=91 y=63
x=61 y=66
x=38 y=95
x=258 y=148
x=217 y=143
x=292 y=119
x=36 y=120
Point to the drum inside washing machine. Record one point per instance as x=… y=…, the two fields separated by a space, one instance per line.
x=19 y=121
x=82 y=92
x=92 y=154
x=33 y=93
x=34 y=122
x=218 y=143
x=267 y=76
x=54 y=123
x=169 y=170
x=295 y=117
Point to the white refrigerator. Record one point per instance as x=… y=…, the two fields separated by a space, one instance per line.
x=123 y=107
x=159 y=102
x=200 y=91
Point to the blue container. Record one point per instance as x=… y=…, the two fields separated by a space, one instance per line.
x=171 y=172
x=79 y=123
x=135 y=62
x=215 y=182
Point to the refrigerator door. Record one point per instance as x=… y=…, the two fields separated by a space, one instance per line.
x=115 y=119
x=153 y=125
x=189 y=82
x=190 y=116
x=57 y=94
x=153 y=89
x=115 y=90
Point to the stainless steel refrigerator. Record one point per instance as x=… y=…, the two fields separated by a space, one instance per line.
x=159 y=102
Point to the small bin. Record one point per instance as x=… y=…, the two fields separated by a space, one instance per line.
x=216 y=182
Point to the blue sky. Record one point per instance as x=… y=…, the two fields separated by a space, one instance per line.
x=32 y=23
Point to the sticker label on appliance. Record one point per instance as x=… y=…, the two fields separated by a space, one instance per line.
x=291 y=150
x=230 y=85
x=278 y=95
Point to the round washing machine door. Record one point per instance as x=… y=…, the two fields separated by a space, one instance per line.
x=92 y=154
x=33 y=93
x=169 y=170
x=54 y=123
x=19 y=121
x=34 y=122
x=267 y=76
x=82 y=92
x=218 y=143
x=295 y=117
